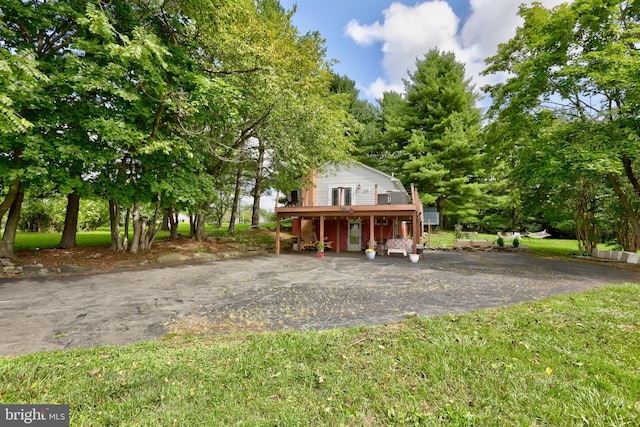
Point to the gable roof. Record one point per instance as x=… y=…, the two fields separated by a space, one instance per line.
x=395 y=181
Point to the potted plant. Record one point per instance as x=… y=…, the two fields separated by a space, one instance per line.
x=370 y=253
x=320 y=247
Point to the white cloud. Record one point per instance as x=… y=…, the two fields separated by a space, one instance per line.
x=408 y=32
x=378 y=87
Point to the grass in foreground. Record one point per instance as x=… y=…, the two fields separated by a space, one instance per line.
x=570 y=360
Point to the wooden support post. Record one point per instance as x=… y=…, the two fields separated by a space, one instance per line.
x=372 y=232
x=416 y=233
x=277 y=234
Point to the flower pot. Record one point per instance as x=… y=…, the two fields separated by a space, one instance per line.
x=370 y=255
x=414 y=257
x=320 y=254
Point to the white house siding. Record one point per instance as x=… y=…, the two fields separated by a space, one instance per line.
x=362 y=181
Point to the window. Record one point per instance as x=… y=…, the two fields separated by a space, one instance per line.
x=346 y=196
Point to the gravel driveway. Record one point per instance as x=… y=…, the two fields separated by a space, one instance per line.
x=289 y=291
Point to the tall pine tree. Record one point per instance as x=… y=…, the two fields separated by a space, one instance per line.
x=434 y=137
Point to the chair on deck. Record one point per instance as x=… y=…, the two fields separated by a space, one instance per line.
x=309 y=246
x=328 y=244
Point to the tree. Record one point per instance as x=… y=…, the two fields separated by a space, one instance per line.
x=433 y=137
x=369 y=136
x=36 y=44
x=578 y=62
x=151 y=105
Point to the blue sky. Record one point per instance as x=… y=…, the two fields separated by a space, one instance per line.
x=376 y=42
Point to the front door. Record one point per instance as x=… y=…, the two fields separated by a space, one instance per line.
x=355 y=235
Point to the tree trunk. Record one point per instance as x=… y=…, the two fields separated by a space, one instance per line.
x=624 y=234
x=11 y=227
x=257 y=189
x=166 y=221
x=137 y=228
x=236 y=201
x=193 y=221
x=125 y=243
x=173 y=227
x=150 y=228
x=193 y=226
x=586 y=230
x=14 y=189
x=628 y=169
x=626 y=204
x=68 y=239
x=199 y=234
x=144 y=231
x=114 y=222
x=170 y=222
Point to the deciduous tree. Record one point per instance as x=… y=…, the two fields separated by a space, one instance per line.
x=578 y=62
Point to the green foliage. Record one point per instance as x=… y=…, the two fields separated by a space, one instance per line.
x=19 y=78
x=500 y=241
x=568 y=360
x=516 y=242
x=566 y=117
x=42 y=215
x=48 y=214
x=144 y=102
x=93 y=214
x=431 y=137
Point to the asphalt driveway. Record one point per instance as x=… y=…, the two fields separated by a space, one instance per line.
x=289 y=291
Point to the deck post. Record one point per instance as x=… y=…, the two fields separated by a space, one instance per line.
x=372 y=232
x=416 y=233
x=277 y=234
x=299 y=219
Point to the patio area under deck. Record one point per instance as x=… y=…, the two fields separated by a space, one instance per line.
x=405 y=212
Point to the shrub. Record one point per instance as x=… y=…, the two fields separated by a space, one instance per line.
x=500 y=241
x=516 y=242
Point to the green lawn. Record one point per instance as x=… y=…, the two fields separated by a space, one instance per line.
x=102 y=236
x=542 y=247
x=569 y=361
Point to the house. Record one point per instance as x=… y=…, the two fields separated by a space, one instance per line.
x=354 y=206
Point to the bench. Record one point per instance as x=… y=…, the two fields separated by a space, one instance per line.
x=399 y=246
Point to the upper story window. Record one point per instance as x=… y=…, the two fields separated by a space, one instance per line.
x=341 y=196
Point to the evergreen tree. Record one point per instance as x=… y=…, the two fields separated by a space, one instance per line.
x=433 y=137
